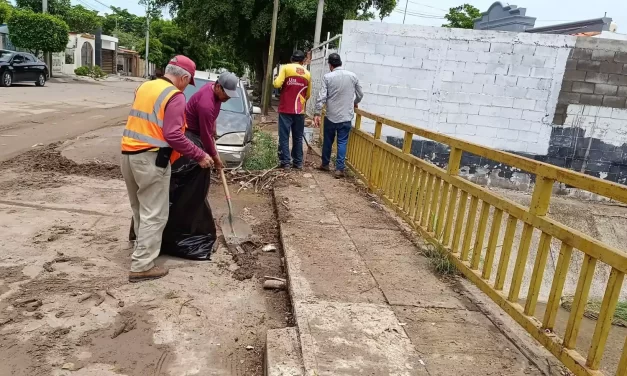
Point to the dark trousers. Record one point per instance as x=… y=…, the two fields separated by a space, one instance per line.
x=330 y=130
x=294 y=123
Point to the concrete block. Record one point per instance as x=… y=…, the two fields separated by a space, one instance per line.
x=507 y=134
x=404 y=51
x=457 y=118
x=581 y=53
x=474 y=46
x=384 y=49
x=534 y=116
x=592 y=99
x=603 y=55
x=437 y=54
x=620 y=57
x=450 y=108
x=494 y=90
x=619 y=113
x=520 y=125
x=395 y=40
x=489 y=111
x=566 y=97
x=511 y=113
x=571 y=64
x=283 y=354
x=442 y=117
x=412 y=62
x=430 y=64
x=355 y=57
x=393 y=61
x=447 y=128
x=528 y=136
x=617 y=79
x=506 y=80
x=476 y=67
x=466 y=129
x=524 y=49
x=597 y=78
x=373 y=59
x=546 y=51
x=405 y=102
x=622 y=91
x=454 y=97
x=472 y=88
x=486 y=79
x=519 y=70
x=589 y=65
x=528 y=82
x=478 y=99
x=486 y=121
x=453 y=66
x=605 y=89
x=491 y=58
x=611 y=67
x=516 y=92
x=524 y=104
x=422 y=104
x=446 y=75
x=452 y=86
x=458 y=45
x=542 y=72
x=533 y=61
x=469 y=109
x=510 y=59
x=583 y=87
x=463 y=77
x=496 y=69
x=574 y=75
x=539 y=95
x=464 y=56
x=613 y=101
x=422 y=52
x=546 y=84
x=502 y=102
x=506 y=48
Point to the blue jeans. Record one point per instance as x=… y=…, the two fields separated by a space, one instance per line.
x=296 y=124
x=330 y=129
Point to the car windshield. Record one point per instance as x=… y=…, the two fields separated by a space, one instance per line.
x=6 y=55
x=232 y=105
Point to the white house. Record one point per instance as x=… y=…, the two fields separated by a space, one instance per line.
x=81 y=51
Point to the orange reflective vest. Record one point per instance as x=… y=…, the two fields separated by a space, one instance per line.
x=144 y=127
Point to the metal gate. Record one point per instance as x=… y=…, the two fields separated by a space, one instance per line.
x=318 y=67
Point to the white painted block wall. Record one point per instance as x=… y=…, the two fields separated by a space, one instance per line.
x=604 y=123
x=497 y=89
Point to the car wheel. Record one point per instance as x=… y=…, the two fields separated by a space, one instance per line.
x=6 y=80
x=41 y=80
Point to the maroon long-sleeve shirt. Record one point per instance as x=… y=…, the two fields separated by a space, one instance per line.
x=201 y=113
x=173 y=121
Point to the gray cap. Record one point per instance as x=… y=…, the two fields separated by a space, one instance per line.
x=229 y=83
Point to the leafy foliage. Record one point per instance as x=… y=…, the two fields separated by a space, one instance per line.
x=38 y=32
x=462 y=17
x=94 y=72
x=5 y=11
x=263 y=154
x=82 y=20
x=55 y=7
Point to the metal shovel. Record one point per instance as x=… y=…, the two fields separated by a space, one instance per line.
x=234 y=229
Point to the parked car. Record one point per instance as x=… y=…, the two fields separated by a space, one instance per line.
x=16 y=67
x=234 y=124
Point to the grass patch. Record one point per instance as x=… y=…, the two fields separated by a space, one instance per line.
x=263 y=154
x=439 y=261
x=593 y=307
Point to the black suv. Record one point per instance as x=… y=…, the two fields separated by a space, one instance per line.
x=21 y=67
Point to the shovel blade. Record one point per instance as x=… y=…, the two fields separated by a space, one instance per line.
x=235 y=232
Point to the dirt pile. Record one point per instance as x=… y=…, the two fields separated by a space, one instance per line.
x=49 y=159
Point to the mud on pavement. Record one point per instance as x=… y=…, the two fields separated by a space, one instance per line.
x=66 y=307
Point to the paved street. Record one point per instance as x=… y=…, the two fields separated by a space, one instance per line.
x=31 y=115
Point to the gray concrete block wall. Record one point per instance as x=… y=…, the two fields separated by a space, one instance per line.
x=498 y=89
x=596 y=75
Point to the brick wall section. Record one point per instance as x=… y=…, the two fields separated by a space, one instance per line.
x=596 y=75
x=498 y=89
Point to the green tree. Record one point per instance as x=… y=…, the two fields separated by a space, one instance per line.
x=126 y=22
x=55 y=7
x=244 y=25
x=462 y=17
x=38 y=32
x=82 y=20
x=5 y=11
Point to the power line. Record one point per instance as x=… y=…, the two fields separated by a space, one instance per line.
x=103 y=4
x=88 y=6
x=428 y=6
x=419 y=14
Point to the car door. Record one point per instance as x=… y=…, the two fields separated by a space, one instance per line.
x=19 y=67
x=32 y=68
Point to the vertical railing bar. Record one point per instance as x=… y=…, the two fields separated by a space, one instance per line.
x=448 y=226
x=579 y=302
x=521 y=261
x=497 y=219
x=537 y=275
x=480 y=237
x=506 y=251
x=557 y=286
x=459 y=221
x=470 y=224
x=437 y=187
x=414 y=193
x=442 y=210
x=427 y=200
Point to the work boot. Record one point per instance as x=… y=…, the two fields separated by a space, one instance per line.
x=296 y=167
x=155 y=273
x=324 y=168
x=286 y=167
x=339 y=174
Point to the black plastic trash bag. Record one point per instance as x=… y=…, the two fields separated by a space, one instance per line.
x=191 y=231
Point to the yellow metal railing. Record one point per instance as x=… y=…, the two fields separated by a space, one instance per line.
x=434 y=201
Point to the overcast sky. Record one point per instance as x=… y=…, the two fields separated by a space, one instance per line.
x=430 y=13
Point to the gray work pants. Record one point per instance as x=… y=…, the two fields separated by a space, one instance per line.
x=148 y=191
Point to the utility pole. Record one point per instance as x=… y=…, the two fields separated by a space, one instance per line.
x=147 y=38
x=405 y=15
x=47 y=56
x=318 y=22
x=266 y=89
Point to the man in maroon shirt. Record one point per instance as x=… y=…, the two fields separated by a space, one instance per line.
x=203 y=109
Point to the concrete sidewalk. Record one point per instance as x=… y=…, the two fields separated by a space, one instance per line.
x=366 y=302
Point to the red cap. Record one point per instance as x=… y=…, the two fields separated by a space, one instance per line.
x=185 y=63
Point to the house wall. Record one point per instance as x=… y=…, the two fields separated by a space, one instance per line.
x=497 y=89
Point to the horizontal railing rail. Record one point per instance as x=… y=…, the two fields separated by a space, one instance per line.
x=459 y=216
